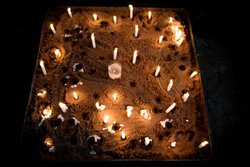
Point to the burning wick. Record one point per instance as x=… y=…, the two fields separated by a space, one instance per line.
x=193 y=74
x=43 y=68
x=115 y=70
x=57 y=53
x=52 y=28
x=69 y=12
x=114 y=96
x=48 y=142
x=100 y=107
x=160 y=39
x=157 y=71
x=76 y=97
x=204 y=143
x=115 y=19
x=171 y=107
x=136 y=30
x=173 y=144
x=93 y=40
x=105 y=119
x=115 y=53
x=170 y=20
x=123 y=135
x=149 y=15
x=95 y=16
x=185 y=97
x=41 y=93
x=131 y=11
x=134 y=57
x=147 y=141
x=170 y=85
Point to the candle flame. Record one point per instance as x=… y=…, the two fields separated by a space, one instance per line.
x=204 y=143
x=123 y=135
x=149 y=15
x=173 y=144
x=57 y=53
x=75 y=95
x=95 y=16
x=48 y=142
x=114 y=96
x=105 y=119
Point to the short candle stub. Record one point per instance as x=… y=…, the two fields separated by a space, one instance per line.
x=115 y=70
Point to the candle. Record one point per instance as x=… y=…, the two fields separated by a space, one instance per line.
x=93 y=40
x=136 y=30
x=115 y=53
x=63 y=106
x=100 y=107
x=170 y=20
x=149 y=15
x=134 y=57
x=114 y=96
x=204 y=143
x=170 y=85
x=129 y=110
x=75 y=95
x=163 y=123
x=145 y=114
x=105 y=119
x=147 y=141
x=173 y=144
x=131 y=11
x=123 y=135
x=57 y=53
x=193 y=74
x=49 y=142
x=41 y=93
x=185 y=97
x=178 y=35
x=115 y=71
x=69 y=12
x=52 y=28
x=75 y=120
x=157 y=71
x=171 y=107
x=47 y=112
x=115 y=19
x=95 y=16
x=60 y=117
x=43 y=68
x=160 y=39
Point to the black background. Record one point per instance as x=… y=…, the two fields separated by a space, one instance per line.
x=217 y=29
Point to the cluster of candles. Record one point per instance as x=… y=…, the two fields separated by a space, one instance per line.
x=114 y=71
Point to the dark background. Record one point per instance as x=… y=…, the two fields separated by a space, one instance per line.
x=222 y=57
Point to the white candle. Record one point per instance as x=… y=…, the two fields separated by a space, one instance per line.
x=47 y=112
x=93 y=40
x=41 y=93
x=115 y=19
x=149 y=15
x=115 y=53
x=134 y=57
x=131 y=11
x=63 y=106
x=69 y=12
x=105 y=119
x=136 y=30
x=178 y=35
x=204 y=143
x=115 y=70
x=114 y=96
x=129 y=110
x=75 y=95
x=170 y=85
x=75 y=120
x=170 y=20
x=163 y=123
x=57 y=53
x=60 y=117
x=173 y=144
x=193 y=74
x=52 y=28
x=100 y=107
x=185 y=97
x=147 y=141
x=145 y=114
x=95 y=16
x=171 y=107
x=157 y=71
x=123 y=135
x=43 y=67
x=160 y=39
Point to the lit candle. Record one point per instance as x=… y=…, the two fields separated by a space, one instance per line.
x=47 y=112
x=160 y=39
x=75 y=95
x=193 y=74
x=136 y=30
x=173 y=144
x=147 y=141
x=93 y=40
x=60 y=117
x=149 y=15
x=178 y=35
x=114 y=96
x=95 y=16
x=57 y=53
x=115 y=19
x=171 y=107
x=157 y=71
x=115 y=70
x=48 y=142
x=170 y=85
x=115 y=53
x=63 y=106
x=204 y=143
x=75 y=120
x=185 y=97
x=69 y=12
x=163 y=123
x=145 y=114
x=105 y=119
x=170 y=20
x=41 y=93
x=52 y=28
x=100 y=107
x=134 y=57
x=123 y=135
x=43 y=67
x=131 y=11
x=129 y=110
